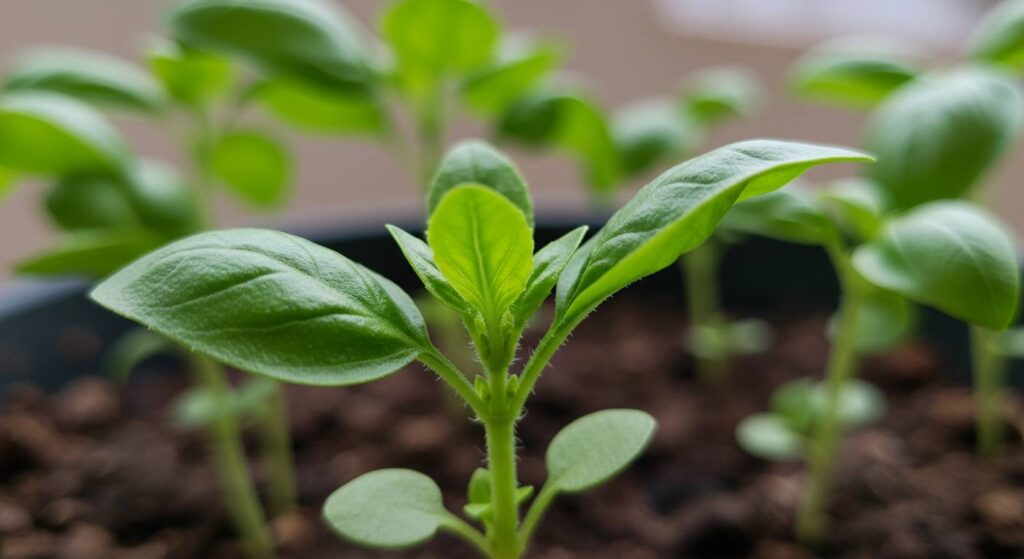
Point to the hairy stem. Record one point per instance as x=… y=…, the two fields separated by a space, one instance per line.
x=240 y=497
x=277 y=453
x=989 y=373
x=700 y=268
x=501 y=460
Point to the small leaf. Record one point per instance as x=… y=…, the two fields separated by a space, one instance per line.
x=273 y=304
x=1011 y=343
x=91 y=254
x=478 y=162
x=480 y=487
x=49 y=134
x=767 y=436
x=254 y=166
x=648 y=133
x=483 y=246
x=387 y=508
x=715 y=94
x=859 y=205
x=130 y=350
x=548 y=264
x=950 y=255
x=999 y=38
x=860 y=403
x=421 y=257
x=314 y=109
x=886 y=319
x=440 y=35
x=93 y=77
x=937 y=137
x=676 y=213
x=162 y=200
x=80 y=202
x=596 y=447
x=199 y=407
x=520 y=66
x=855 y=73
x=790 y=214
x=313 y=40
x=190 y=76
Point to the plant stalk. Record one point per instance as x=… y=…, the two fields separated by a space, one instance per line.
x=989 y=378
x=700 y=268
x=240 y=497
x=430 y=130
x=842 y=366
x=277 y=453
x=502 y=463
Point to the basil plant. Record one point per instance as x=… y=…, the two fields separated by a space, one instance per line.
x=280 y=306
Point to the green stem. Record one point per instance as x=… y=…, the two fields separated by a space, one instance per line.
x=535 y=514
x=460 y=528
x=842 y=366
x=502 y=464
x=229 y=458
x=457 y=380
x=277 y=453
x=430 y=130
x=989 y=373
x=700 y=268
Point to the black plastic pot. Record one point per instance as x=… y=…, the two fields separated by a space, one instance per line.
x=50 y=332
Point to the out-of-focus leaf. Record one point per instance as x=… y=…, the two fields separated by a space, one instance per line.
x=712 y=95
x=999 y=38
x=256 y=167
x=313 y=109
x=190 y=76
x=520 y=66
x=91 y=254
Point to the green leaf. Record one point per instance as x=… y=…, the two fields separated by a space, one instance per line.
x=80 y=202
x=548 y=264
x=483 y=246
x=273 y=304
x=860 y=403
x=801 y=404
x=791 y=214
x=520 y=66
x=162 y=200
x=254 y=166
x=855 y=73
x=49 y=134
x=199 y=407
x=716 y=94
x=129 y=351
x=421 y=257
x=477 y=162
x=951 y=255
x=999 y=38
x=1011 y=343
x=190 y=76
x=438 y=36
x=314 y=109
x=308 y=40
x=92 y=77
x=596 y=447
x=91 y=254
x=886 y=319
x=649 y=132
x=387 y=508
x=768 y=436
x=859 y=206
x=8 y=179
x=937 y=137
x=676 y=213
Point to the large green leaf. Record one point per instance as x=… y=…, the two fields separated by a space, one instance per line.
x=791 y=214
x=315 y=109
x=477 y=162
x=649 y=132
x=90 y=202
x=951 y=255
x=677 y=212
x=189 y=75
x=520 y=66
x=91 y=254
x=387 y=508
x=548 y=264
x=999 y=38
x=50 y=134
x=712 y=95
x=855 y=73
x=937 y=137
x=255 y=166
x=309 y=40
x=271 y=303
x=438 y=36
x=596 y=447
x=93 y=77
x=421 y=257
x=483 y=246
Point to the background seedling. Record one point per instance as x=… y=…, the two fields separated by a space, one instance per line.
x=286 y=308
x=937 y=134
x=935 y=254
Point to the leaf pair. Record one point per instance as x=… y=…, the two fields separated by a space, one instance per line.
x=400 y=508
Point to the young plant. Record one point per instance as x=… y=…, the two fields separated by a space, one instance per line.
x=935 y=254
x=937 y=135
x=281 y=306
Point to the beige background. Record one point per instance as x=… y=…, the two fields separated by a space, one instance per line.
x=620 y=44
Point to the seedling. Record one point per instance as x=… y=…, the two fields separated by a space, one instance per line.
x=797 y=408
x=289 y=309
x=937 y=134
x=935 y=254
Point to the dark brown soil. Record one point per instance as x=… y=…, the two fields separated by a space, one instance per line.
x=96 y=472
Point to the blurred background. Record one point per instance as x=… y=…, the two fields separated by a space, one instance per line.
x=629 y=49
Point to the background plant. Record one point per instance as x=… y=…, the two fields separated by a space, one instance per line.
x=294 y=311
